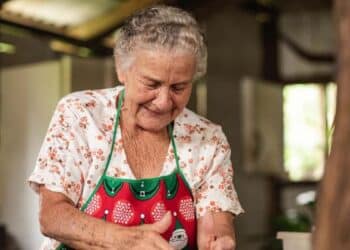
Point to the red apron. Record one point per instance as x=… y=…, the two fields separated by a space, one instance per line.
x=130 y=202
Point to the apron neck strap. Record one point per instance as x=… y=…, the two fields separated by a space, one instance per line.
x=170 y=130
x=116 y=124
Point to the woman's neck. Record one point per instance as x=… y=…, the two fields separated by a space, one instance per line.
x=128 y=124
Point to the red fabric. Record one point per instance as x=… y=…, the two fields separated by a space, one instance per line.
x=126 y=210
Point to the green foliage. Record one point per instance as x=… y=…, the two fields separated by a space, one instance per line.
x=300 y=223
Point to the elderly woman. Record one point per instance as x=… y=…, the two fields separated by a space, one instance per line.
x=130 y=167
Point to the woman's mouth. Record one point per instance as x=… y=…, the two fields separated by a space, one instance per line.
x=156 y=112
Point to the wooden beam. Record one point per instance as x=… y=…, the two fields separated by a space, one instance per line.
x=308 y=55
x=112 y=18
x=98 y=48
x=270 y=53
x=333 y=208
x=9 y=17
x=92 y=29
x=318 y=78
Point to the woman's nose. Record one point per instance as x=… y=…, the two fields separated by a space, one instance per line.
x=163 y=100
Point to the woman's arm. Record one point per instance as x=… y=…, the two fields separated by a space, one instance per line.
x=216 y=231
x=60 y=220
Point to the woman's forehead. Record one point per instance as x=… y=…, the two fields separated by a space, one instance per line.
x=153 y=53
x=163 y=62
x=163 y=57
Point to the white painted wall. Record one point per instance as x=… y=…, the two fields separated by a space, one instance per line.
x=29 y=94
x=262 y=127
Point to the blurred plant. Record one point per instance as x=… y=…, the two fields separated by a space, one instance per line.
x=293 y=220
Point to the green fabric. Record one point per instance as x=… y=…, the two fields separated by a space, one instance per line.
x=62 y=247
x=149 y=185
x=112 y=185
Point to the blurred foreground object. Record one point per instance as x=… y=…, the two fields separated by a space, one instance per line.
x=333 y=208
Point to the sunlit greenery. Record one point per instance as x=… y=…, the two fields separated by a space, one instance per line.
x=308 y=111
x=331 y=93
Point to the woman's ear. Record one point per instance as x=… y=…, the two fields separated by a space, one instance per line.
x=121 y=74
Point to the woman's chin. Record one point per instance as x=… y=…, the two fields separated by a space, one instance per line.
x=153 y=126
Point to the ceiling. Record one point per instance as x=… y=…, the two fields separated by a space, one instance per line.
x=72 y=24
x=87 y=23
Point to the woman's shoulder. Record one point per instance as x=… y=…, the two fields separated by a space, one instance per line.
x=90 y=100
x=97 y=95
x=190 y=124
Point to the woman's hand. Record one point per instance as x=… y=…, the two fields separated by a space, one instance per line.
x=150 y=235
x=216 y=232
x=222 y=243
x=60 y=220
x=147 y=236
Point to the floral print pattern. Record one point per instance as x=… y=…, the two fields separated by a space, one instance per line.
x=76 y=146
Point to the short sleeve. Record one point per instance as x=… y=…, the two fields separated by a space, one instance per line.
x=58 y=165
x=216 y=191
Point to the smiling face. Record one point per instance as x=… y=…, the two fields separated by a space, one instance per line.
x=158 y=85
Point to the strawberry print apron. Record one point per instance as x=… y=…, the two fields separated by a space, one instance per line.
x=130 y=202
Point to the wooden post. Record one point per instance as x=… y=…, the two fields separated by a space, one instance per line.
x=333 y=208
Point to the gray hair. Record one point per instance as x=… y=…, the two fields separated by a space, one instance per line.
x=164 y=27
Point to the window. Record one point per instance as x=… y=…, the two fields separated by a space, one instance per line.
x=308 y=113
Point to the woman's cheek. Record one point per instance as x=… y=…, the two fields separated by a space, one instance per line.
x=146 y=96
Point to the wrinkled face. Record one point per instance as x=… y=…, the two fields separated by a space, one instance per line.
x=158 y=85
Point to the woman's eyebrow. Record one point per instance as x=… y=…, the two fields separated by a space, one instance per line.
x=152 y=79
x=185 y=82
x=157 y=81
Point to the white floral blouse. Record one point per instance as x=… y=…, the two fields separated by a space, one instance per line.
x=76 y=146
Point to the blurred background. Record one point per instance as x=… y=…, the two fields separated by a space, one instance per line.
x=269 y=84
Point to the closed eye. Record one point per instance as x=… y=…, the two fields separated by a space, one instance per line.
x=178 y=87
x=152 y=84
